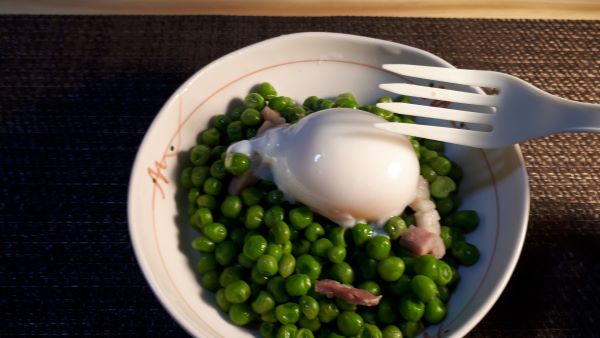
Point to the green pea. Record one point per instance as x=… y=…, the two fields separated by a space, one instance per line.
x=336 y=254
x=217 y=169
x=255 y=101
x=238 y=235
x=456 y=173
x=311 y=103
x=254 y=217
x=379 y=247
x=308 y=265
x=251 y=132
x=251 y=117
x=235 y=113
x=384 y=99
x=428 y=155
x=231 y=206
x=391 y=331
x=201 y=218
x=342 y=272
x=309 y=306
x=206 y=263
x=346 y=103
x=251 y=196
x=240 y=314
x=301 y=217
x=300 y=247
x=416 y=147
x=237 y=163
x=235 y=130
x=435 y=311
x=230 y=274
x=390 y=268
x=443 y=293
x=222 y=301
x=211 y=137
x=255 y=246
x=411 y=308
x=466 y=253
x=280 y=232
x=442 y=186
x=294 y=113
x=220 y=122
x=314 y=231
x=328 y=311
x=203 y=244
x=213 y=186
x=465 y=220
x=245 y=261
x=321 y=247
x=345 y=306
x=210 y=280
x=275 y=250
x=400 y=286
x=267 y=265
x=369 y=316
x=192 y=195
x=411 y=329
x=423 y=287
x=273 y=215
x=370 y=286
x=237 y=291
x=279 y=103
x=185 y=178
x=297 y=284
x=206 y=201
x=428 y=173
x=269 y=316
x=287 y=265
x=216 y=232
x=275 y=197
x=337 y=236
x=427 y=265
x=267 y=90
x=385 y=311
x=225 y=253
x=395 y=227
x=384 y=114
x=200 y=154
x=445 y=274
x=199 y=175
x=191 y=210
x=288 y=313
x=276 y=287
x=440 y=165
x=361 y=233
x=324 y=104
x=304 y=333
x=368 y=268
x=370 y=331
x=287 y=331
x=263 y=303
x=287 y=247
x=267 y=330
x=349 y=323
x=312 y=324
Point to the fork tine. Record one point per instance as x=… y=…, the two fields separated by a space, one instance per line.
x=472 y=138
x=437 y=113
x=440 y=94
x=480 y=78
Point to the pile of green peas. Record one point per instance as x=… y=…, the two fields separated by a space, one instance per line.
x=262 y=256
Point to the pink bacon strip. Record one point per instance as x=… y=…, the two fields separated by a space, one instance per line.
x=351 y=295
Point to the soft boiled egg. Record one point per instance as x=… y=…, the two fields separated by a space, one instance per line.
x=338 y=164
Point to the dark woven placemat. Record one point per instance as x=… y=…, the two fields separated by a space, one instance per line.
x=76 y=97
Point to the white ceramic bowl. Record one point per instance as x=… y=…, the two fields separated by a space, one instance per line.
x=300 y=65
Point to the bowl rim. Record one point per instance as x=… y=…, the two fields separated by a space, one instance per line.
x=137 y=247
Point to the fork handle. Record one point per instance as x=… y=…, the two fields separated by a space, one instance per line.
x=575 y=116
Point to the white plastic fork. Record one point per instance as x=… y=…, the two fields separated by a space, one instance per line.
x=522 y=111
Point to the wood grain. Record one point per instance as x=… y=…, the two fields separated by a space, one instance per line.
x=527 y=9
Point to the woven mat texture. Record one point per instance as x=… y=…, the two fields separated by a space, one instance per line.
x=77 y=94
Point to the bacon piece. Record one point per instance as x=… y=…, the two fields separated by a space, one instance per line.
x=351 y=295
x=272 y=116
x=239 y=183
x=421 y=242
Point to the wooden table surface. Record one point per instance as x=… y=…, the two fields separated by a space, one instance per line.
x=510 y=9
